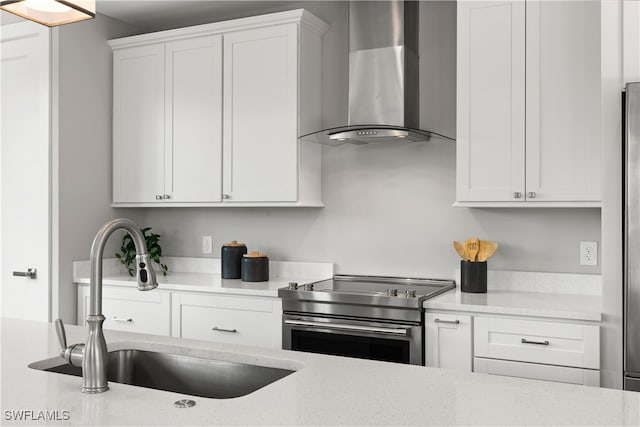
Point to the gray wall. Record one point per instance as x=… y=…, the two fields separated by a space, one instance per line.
x=388 y=208
x=82 y=170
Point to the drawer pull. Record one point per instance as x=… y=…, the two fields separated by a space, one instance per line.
x=526 y=341
x=453 y=322
x=233 y=331
x=120 y=319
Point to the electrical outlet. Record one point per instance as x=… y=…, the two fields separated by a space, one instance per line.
x=207 y=245
x=588 y=253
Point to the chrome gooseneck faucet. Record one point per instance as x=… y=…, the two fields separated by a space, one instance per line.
x=93 y=355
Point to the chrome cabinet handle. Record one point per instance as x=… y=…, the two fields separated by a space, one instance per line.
x=226 y=196
x=453 y=322
x=123 y=320
x=233 y=331
x=517 y=195
x=395 y=331
x=531 y=195
x=158 y=196
x=31 y=273
x=526 y=341
x=166 y=196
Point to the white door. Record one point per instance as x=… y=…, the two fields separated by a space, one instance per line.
x=260 y=142
x=490 y=101
x=193 y=123
x=138 y=124
x=563 y=101
x=25 y=170
x=448 y=341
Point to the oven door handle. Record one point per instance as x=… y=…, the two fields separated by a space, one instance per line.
x=346 y=327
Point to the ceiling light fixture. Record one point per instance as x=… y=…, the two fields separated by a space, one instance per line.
x=51 y=12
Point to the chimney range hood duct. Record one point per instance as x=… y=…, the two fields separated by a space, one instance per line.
x=383 y=77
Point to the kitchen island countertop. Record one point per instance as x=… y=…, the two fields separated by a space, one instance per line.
x=325 y=390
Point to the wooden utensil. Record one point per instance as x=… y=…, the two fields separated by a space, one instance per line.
x=487 y=249
x=472 y=246
x=460 y=249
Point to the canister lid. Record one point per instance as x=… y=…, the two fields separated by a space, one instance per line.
x=255 y=254
x=234 y=243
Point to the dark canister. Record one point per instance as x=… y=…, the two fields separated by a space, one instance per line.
x=473 y=277
x=231 y=259
x=255 y=267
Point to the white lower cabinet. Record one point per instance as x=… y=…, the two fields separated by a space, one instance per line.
x=553 y=351
x=537 y=371
x=448 y=341
x=229 y=319
x=130 y=310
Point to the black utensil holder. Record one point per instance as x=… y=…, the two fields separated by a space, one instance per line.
x=473 y=277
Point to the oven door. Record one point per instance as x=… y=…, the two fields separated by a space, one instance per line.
x=361 y=338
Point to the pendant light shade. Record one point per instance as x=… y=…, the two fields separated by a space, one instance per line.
x=51 y=12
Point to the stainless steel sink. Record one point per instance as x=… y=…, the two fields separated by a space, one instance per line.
x=183 y=374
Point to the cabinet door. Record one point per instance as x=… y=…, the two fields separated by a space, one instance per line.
x=193 y=158
x=490 y=101
x=448 y=341
x=138 y=124
x=260 y=115
x=563 y=101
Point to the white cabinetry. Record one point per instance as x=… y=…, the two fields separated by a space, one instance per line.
x=555 y=351
x=448 y=341
x=196 y=127
x=168 y=122
x=127 y=309
x=528 y=103
x=229 y=319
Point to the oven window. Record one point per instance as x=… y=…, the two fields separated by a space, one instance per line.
x=350 y=345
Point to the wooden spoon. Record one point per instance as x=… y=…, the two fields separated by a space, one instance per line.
x=487 y=249
x=460 y=249
x=472 y=246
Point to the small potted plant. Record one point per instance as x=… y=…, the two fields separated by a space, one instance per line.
x=127 y=254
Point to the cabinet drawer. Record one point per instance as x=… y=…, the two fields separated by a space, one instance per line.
x=537 y=372
x=131 y=310
x=235 y=320
x=551 y=343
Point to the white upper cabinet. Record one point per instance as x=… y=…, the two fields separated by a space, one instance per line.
x=196 y=127
x=193 y=120
x=528 y=103
x=260 y=129
x=138 y=124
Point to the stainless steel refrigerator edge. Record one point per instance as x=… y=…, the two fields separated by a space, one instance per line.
x=631 y=129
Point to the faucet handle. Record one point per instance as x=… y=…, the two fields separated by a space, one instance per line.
x=62 y=336
x=73 y=353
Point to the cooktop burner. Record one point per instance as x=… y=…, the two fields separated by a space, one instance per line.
x=368 y=290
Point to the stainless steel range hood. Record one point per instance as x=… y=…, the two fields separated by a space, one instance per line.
x=383 y=77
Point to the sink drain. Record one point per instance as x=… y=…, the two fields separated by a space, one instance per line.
x=184 y=403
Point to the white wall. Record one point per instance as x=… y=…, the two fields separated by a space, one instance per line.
x=388 y=208
x=81 y=189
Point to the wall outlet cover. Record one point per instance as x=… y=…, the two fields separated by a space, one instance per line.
x=588 y=253
x=207 y=245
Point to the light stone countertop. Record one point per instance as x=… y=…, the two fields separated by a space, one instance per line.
x=534 y=294
x=519 y=303
x=203 y=275
x=325 y=390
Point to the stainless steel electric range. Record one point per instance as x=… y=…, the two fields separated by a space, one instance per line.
x=368 y=317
